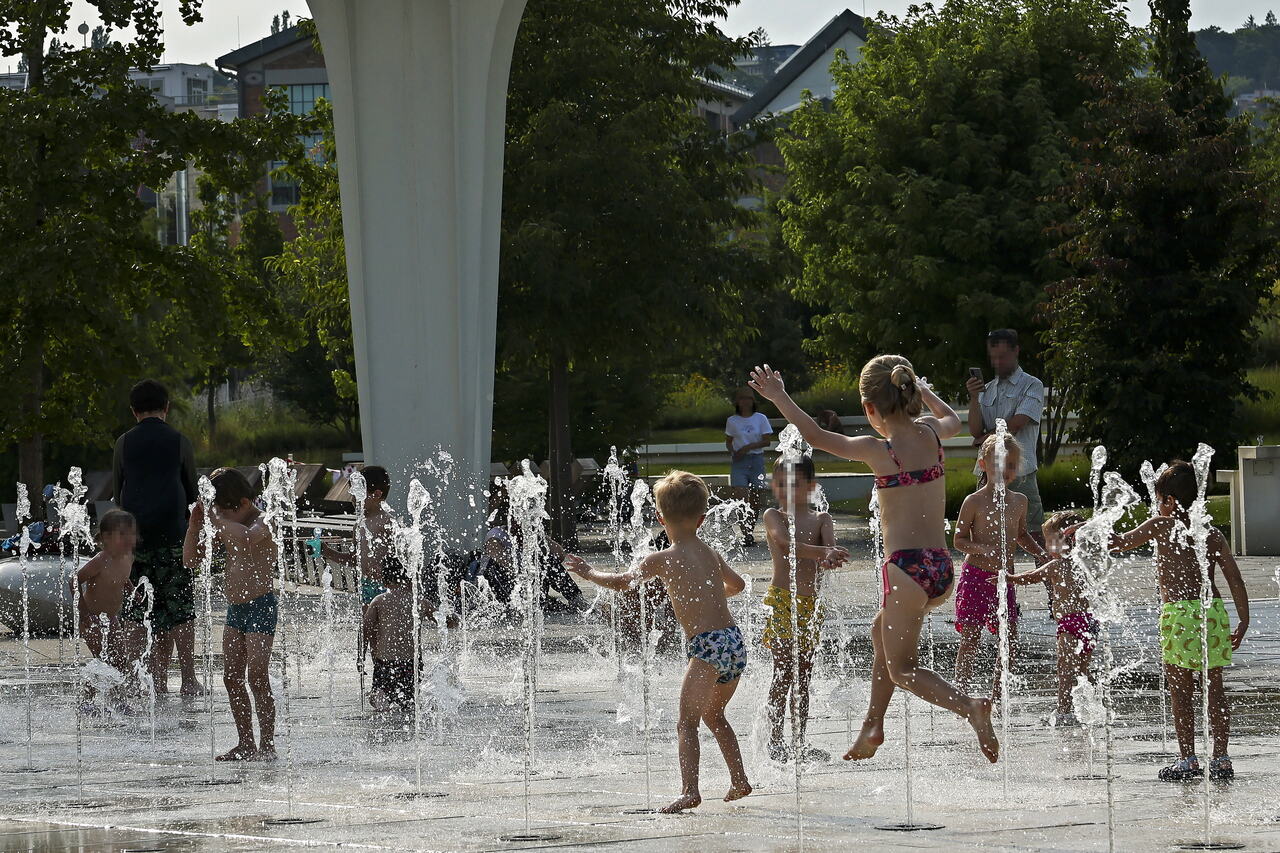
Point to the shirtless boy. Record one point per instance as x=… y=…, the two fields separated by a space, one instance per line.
x=251 y=608
x=699 y=583
x=816 y=549
x=104 y=585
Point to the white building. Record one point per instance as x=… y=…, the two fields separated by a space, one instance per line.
x=808 y=69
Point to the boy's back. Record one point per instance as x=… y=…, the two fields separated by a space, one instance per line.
x=694 y=576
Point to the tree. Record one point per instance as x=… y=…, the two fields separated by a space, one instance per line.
x=918 y=197
x=313 y=270
x=275 y=24
x=1172 y=256
x=619 y=203
x=91 y=296
x=100 y=37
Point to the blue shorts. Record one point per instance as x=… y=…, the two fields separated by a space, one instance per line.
x=254 y=617
x=748 y=471
x=370 y=589
x=723 y=649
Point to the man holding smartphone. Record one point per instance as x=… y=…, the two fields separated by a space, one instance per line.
x=1017 y=397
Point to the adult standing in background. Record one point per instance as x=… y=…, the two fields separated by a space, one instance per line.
x=747 y=434
x=1017 y=397
x=155 y=479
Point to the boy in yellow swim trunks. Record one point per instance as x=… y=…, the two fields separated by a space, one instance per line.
x=816 y=549
x=1181 y=619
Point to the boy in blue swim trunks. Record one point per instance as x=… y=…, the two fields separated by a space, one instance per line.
x=251 y=608
x=699 y=583
x=373 y=536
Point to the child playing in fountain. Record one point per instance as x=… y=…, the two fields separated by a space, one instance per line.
x=1070 y=608
x=104 y=585
x=978 y=536
x=699 y=583
x=816 y=549
x=911 y=489
x=251 y=608
x=388 y=634
x=1182 y=618
x=373 y=536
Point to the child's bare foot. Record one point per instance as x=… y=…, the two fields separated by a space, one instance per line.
x=980 y=719
x=684 y=801
x=737 y=792
x=239 y=752
x=267 y=752
x=869 y=740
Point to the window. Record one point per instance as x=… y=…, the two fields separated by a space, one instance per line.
x=197 y=90
x=302 y=100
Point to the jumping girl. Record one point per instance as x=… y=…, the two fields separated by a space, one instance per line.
x=911 y=488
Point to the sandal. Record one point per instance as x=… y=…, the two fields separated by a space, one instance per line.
x=1220 y=768
x=1181 y=770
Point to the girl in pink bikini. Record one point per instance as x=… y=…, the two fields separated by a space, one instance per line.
x=917 y=576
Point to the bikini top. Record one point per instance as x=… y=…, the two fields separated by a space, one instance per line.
x=912 y=478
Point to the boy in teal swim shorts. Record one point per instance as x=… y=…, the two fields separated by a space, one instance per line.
x=1183 y=616
x=251 y=608
x=699 y=583
x=373 y=536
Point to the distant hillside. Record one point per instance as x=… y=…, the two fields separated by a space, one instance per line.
x=1250 y=56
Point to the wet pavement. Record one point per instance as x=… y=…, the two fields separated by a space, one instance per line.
x=356 y=774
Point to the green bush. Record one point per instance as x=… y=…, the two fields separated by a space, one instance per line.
x=833 y=389
x=1261 y=417
x=698 y=402
x=252 y=432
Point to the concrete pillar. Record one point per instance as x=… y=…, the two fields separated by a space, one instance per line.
x=419 y=92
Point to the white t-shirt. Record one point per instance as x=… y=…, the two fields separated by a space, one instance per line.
x=748 y=430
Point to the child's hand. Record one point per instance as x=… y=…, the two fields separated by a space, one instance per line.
x=576 y=565
x=197 y=515
x=1237 y=636
x=768 y=382
x=835 y=558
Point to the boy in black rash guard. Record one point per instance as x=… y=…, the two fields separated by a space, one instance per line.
x=155 y=480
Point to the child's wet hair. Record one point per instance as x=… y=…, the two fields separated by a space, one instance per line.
x=394 y=571
x=888 y=382
x=802 y=466
x=230 y=488
x=681 y=496
x=1011 y=448
x=116 y=521
x=1178 y=481
x=1061 y=521
x=376 y=479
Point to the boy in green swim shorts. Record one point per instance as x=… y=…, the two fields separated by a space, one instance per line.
x=1183 y=617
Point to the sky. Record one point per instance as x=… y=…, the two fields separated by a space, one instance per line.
x=230 y=24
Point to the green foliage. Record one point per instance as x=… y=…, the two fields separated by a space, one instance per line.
x=919 y=196
x=618 y=207
x=313 y=270
x=1172 y=249
x=1249 y=54
x=253 y=431
x=696 y=402
x=94 y=300
x=1261 y=416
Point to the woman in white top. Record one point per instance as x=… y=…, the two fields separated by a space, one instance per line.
x=747 y=434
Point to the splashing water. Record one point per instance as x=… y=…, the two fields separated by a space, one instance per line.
x=205 y=491
x=616 y=480
x=1149 y=475
x=24 y=551
x=1201 y=525
x=792 y=448
x=279 y=481
x=1002 y=597
x=641 y=547
x=73 y=533
x=528 y=518
x=359 y=489
x=409 y=543
x=1094 y=564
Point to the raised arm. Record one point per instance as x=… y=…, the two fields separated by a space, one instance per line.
x=193 y=546
x=768 y=382
x=943 y=418
x=1221 y=554
x=1138 y=536
x=977 y=426
x=619 y=581
x=1030 y=576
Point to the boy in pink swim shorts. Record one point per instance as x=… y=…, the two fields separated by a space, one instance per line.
x=1077 y=627
x=978 y=537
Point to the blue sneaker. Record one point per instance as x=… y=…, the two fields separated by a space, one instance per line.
x=1182 y=770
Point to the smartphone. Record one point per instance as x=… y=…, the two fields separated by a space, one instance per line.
x=975 y=373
